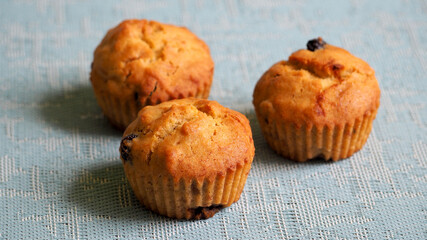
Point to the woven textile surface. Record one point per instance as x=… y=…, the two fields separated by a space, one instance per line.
x=60 y=172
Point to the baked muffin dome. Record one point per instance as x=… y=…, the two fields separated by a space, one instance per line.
x=321 y=102
x=141 y=62
x=187 y=158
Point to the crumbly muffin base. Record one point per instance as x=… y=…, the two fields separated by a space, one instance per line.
x=120 y=112
x=190 y=199
x=307 y=142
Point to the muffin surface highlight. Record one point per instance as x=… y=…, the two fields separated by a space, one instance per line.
x=187 y=158
x=142 y=62
x=319 y=103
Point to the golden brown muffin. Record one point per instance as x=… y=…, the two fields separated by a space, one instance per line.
x=187 y=158
x=319 y=103
x=142 y=62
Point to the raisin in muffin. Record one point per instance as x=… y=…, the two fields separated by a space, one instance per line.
x=142 y=62
x=187 y=158
x=321 y=102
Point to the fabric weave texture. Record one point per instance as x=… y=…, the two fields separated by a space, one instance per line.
x=60 y=172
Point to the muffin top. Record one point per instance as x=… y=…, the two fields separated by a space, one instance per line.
x=151 y=61
x=187 y=138
x=324 y=85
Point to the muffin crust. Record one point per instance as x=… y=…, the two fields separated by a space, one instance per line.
x=321 y=102
x=190 y=138
x=187 y=158
x=324 y=87
x=143 y=62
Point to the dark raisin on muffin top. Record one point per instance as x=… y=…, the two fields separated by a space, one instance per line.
x=316 y=44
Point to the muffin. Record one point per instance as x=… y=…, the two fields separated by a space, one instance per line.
x=187 y=158
x=321 y=102
x=142 y=62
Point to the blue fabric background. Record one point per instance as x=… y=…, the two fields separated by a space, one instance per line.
x=60 y=172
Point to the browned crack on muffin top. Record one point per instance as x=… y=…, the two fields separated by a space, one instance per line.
x=179 y=119
x=339 y=72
